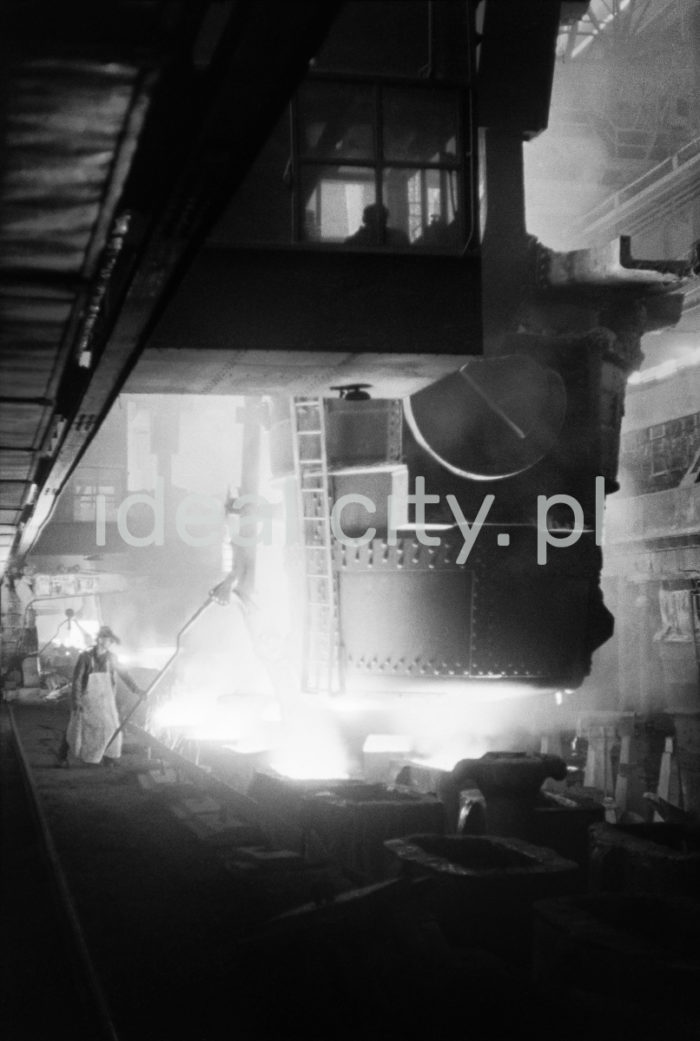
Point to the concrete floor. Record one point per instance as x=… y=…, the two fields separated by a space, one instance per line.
x=187 y=941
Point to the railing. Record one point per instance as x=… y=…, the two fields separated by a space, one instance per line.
x=672 y=165
x=674 y=513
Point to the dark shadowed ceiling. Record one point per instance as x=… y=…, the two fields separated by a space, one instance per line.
x=121 y=135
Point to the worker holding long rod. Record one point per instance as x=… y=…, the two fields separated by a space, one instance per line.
x=221 y=594
x=94 y=732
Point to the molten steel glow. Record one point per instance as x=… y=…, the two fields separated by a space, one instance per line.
x=309 y=762
x=445 y=728
x=146 y=657
x=311 y=749
x=238 y=719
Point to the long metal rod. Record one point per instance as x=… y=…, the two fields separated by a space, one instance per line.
x=211 y=599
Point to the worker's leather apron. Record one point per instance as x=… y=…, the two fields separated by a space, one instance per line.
x=91 y=728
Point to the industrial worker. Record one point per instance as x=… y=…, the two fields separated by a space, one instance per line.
x=94 y=719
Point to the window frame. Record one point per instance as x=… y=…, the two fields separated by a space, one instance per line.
x=90 y=483
x=463 y=167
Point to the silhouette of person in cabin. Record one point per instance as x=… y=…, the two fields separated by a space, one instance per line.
x=375 y=230
x=438 y=234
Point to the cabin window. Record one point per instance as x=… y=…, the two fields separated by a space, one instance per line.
x=377 y=166
x=345 y=145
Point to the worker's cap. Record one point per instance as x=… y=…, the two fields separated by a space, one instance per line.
x=106 y=633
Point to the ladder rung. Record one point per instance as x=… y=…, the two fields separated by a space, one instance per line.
x=321 y=641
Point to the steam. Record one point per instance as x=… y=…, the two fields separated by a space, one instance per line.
x=619 y=106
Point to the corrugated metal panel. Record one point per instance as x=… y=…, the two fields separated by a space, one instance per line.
x=31 y=332
x=26 y=373
x=16 y=465
x=22 y=425
x=63 y=126
x=7 y=536
x=63 y=123
x=43 y=310
x=11 y=494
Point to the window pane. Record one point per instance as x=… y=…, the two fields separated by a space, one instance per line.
x=334 y=199
x=423 y=204
x=420 y=125
x=659 y=463
x=336 y=121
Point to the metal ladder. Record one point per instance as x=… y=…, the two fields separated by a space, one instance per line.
x=320 y=654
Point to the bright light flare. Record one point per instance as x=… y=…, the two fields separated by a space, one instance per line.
x=447 y=728
x=311 y=750
x=380 y=751
x=447 y=757
x=146 y=657
x=73 y=635
x=665 y=369
x=245 y=720
x=307 y=762
x=381 y=743
x=75 y=639
x=182 y=713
